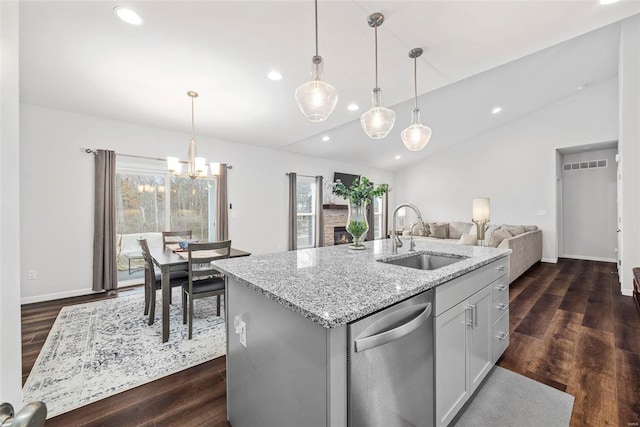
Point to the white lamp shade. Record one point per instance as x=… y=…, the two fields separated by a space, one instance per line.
x=481 y=209
x=416 y=136
x=173 y=164
x=379 y=120
x=200 y=164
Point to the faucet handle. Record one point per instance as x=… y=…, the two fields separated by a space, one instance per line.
x=398 y=241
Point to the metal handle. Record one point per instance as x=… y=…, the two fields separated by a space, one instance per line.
x=501 y=268
x=468 y=318
x=474 y=310
x=503 y=336
x=502 y=287
x=372 y=341
x=503 y=307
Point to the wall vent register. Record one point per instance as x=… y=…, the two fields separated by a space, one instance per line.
x=585 y=165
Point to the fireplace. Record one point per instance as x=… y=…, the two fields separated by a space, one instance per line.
x=341 y=236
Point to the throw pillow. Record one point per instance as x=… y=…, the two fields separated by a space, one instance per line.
x=456 y=229
x=439 y=231
x=497 y=237
x=514 y=230
x=489 y=231
x=530 y=227
x=468 y=239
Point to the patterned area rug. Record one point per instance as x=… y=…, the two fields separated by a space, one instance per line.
x=98 y=349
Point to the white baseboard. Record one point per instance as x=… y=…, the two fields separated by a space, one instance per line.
x=589 y=258
x=626 y=292
x=550 y=260
x=58 y=295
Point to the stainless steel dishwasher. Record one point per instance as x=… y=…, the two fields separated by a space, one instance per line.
x=390 y=366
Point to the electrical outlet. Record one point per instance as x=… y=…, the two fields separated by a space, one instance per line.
x=32 y=274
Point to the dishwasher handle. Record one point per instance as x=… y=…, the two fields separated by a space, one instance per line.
x=376 y=340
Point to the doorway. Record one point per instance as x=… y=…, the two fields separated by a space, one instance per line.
x=587 y=206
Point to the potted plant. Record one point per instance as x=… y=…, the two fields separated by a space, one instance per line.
x=359 y=195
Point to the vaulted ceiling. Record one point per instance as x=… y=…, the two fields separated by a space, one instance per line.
x=521 y=55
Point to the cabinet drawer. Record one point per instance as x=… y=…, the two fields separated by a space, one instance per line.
x=499 y=288
x=499 y=268
x=499 y=307
x=500 y=337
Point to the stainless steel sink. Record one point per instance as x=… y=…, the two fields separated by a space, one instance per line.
x=423 y=261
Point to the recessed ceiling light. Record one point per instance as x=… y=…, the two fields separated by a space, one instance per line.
x=325 y=138
x=608 y=1
x=128 y=15
x=583 y=86
x=398 y=157
x=274 y=75
x=352 y=107
x=496 y=110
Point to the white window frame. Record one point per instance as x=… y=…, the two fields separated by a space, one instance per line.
x=312 y=214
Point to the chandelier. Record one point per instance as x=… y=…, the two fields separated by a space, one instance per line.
x=196 y=166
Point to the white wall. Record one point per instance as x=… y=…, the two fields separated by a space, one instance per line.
x=514 y=165
x=57 y=191
x=629 y=149
x=589 y=208
x=10 y=338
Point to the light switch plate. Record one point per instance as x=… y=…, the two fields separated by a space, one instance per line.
x=542 y=213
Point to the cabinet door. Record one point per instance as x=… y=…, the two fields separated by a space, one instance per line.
x=452 y=386
x=479 y=345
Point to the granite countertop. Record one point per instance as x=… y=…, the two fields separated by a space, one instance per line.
x=334 y=285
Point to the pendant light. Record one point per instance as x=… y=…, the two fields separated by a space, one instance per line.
x=316 y=98
x=196 y=166
x=378 y=121
x=416 y=136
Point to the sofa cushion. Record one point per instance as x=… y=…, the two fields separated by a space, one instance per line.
x=497 y=237
x=457 y=229
x=439 y=230
x=489 y=231
x=468 y=239
x=530 y=228
x=514 y=230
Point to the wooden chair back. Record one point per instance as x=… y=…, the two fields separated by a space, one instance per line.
x=170 y=237
x=201 y=255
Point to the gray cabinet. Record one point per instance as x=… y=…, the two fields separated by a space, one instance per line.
x=464 y=327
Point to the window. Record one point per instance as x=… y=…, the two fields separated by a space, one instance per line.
x=306 y=215
x=378 y=217
x=152 y=202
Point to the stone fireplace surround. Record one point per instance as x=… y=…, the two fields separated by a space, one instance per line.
x=334 y=216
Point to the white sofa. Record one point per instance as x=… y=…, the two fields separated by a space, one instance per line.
x=525 y=242
x=128 y=249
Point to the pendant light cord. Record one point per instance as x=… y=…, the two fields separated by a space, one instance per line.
x=316 y=27
x=376 y=45
x=415 y=82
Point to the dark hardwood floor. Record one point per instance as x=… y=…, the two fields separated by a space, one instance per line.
x=570 y=329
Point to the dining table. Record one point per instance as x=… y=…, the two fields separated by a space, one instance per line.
x=169 y=259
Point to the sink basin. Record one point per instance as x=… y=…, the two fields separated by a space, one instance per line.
x=423 y=261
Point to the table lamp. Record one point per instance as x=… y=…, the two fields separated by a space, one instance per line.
x=480 y=216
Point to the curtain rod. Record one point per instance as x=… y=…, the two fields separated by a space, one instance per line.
x=306 y=176
x=133 y=156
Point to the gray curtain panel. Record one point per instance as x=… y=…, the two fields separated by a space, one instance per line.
x=319 y=231
x=105 y=272
x=222 y=211
x=293 y=212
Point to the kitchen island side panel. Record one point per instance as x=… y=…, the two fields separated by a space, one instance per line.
x=283 y=376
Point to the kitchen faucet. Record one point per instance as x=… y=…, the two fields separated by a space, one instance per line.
x=395 y=239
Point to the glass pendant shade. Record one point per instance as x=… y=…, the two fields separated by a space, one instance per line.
x=316 y=99
x=417 y=135
x=379 y=120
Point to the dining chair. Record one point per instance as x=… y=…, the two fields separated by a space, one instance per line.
x=153 y=281
x=204 y=279
x=169 y=237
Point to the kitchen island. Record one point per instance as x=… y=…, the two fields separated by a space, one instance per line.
x=288 y=316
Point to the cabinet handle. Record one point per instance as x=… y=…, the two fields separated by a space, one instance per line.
x=503 y=336
x=468 y=315
x=502 y=287
x=474 y=310
x=502 y=268
x=502 y=307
